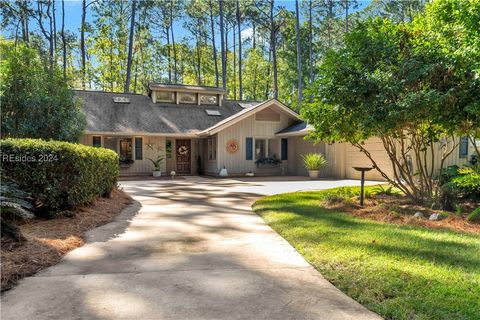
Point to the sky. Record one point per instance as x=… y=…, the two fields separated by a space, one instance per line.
x=73 y=9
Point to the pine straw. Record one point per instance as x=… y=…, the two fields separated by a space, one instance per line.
x=398 y=210
x=48 y=240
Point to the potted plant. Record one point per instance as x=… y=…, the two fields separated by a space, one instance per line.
x=268 y=161
x=313 y=162
x=125 y=162
x=157 y=166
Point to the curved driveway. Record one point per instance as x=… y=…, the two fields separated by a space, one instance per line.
x=195 y=250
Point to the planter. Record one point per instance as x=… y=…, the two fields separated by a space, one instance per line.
x=157 y=174
x=313 y=174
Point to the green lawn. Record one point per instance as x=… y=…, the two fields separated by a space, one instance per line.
x=398 y=271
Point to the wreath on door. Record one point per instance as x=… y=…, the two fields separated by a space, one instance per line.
x=232 y=146
x=183 y=150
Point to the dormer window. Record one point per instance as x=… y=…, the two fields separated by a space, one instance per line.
x=188 y=97
x=165 y=96
x=211 y=99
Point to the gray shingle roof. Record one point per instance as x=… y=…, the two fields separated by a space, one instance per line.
x=297 y=128
x=141 y=115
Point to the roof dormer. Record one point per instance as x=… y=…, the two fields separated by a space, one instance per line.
x=185 y=94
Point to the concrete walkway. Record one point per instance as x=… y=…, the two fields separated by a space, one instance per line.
x=195 y=250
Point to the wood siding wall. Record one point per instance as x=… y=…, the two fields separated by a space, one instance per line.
x=236 y=163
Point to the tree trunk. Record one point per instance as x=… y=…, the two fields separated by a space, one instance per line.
x=346 y=15
x=310 y=43
x=64 y=44
x=240 y=87
x=199 y=75
x=215 y=58
x=299 y=54
x=175 y=73
x=82 y=40
x=254 y=35
x=130 y=47
x=169 y=58
x=234 y=63
x=222 y=43
x=54 y=26
x=50 y=23
x=273 y=48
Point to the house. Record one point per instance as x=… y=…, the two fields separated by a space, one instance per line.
x=196 y=126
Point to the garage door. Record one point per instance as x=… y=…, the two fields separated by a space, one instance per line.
x=356 y=158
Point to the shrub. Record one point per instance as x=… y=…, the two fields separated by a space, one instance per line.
x=59 y=175
x=467 y=183
x=314 y=161
x=474 y=215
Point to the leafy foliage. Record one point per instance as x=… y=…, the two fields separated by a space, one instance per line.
x=474 y=215
x=395 y=82
x=59 y=175
x=36 y=101
x=157 y=163
x=314 y=161
x=14 y=205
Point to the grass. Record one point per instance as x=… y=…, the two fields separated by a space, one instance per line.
x=398 y=271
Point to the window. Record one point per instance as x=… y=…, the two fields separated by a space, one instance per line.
x=168 y=149
x=260 y=145
x=463 y=148
x=212 y=148
x=213 y=112
x=273 y=148
x=97 y=141
x=165 y=96
x=138 y=149
x=188 y=97
x=208 y=99
x=284 y=149
x=125 y=149
x=249 y=148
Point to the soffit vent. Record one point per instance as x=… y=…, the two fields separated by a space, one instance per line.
x=213 y=112
x=121 y=100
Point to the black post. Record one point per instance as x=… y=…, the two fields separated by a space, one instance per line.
x=362 y=187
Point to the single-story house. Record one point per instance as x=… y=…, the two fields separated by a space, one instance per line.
x=196 y=126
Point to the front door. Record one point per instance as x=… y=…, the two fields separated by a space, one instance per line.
x=183 y=154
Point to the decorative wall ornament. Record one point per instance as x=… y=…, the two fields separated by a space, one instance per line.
x=232 y=146
x=183 y=150
x=150 y=145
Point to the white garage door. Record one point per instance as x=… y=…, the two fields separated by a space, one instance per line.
x=356 y=158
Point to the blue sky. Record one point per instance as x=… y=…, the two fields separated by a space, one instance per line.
x=73 y=9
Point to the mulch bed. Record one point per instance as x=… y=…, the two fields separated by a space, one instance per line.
x=399 y=210
x=49 y=239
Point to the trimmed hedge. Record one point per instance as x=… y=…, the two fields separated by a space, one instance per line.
x=59 y=175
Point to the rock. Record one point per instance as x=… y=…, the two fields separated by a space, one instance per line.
x=435 y=217
x=419 y=214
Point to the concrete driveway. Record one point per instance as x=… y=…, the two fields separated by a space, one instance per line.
x=195 y=250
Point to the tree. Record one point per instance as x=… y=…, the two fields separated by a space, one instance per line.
x=392 y=82
x=36 y=101
x=299 y=54
x=222 y=45
x=130 y=46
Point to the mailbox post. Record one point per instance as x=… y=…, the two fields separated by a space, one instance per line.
x=362 y=183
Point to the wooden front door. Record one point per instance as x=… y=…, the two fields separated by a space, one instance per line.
x=183 y=154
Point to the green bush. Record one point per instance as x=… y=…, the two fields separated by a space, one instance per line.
x=314 y=161
x=474 y=215
x=467 y=183
x=59 y=175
